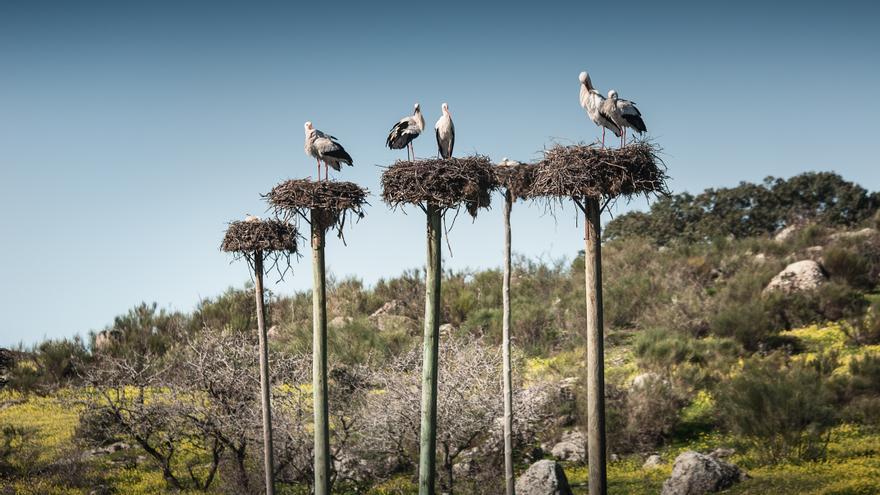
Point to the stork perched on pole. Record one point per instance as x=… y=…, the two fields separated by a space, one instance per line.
x=325 y=148
x=624 y=114
x=445 y=131
x=405 y=131
x=592 y=102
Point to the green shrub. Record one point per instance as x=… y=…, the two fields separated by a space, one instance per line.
x=850 y=267
x=783 y=410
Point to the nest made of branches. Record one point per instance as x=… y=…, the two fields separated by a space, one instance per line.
x=446 y=183
x=330 y=201
x=516 y=177
x=590 y=171
x=274 y=240
x=261 y=235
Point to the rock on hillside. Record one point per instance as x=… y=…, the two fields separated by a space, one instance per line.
x=571 y=447
x=799 y=276
x=544 y=477
x=698 y=474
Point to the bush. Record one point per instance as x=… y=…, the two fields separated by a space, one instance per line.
x=48 y=366
x=783 y=410
x=850 y=267
x=651 y=412
x=866 y=330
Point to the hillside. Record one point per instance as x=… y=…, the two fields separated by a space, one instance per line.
x=702 y=353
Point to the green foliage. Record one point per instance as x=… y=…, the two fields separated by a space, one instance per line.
x=235 y=310
x=145 y=329
x=49 y=365
x=783 y=409
x=850 y=266
x=750 y=209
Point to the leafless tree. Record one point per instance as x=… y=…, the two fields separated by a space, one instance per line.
x=470 y=375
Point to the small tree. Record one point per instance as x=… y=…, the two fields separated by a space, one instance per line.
x=466 y=415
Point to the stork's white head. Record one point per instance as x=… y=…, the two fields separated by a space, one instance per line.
x=612 y=94
x=583 y=77
x=417 y=108
x=445 y=109
x=308 y=127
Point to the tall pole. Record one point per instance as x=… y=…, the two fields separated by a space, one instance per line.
x=264 y=374
x=505 y=352
x=319 y=357
x=595 y=350
x=428 y=443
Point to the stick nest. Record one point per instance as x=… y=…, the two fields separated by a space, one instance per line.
x=264 y=235
x=331 y=200
x=446 y=183
x=274 y=240
x=516 y=177
x=590 y=171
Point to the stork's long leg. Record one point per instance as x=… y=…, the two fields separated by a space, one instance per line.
x=326 y=171
x=603 y=136
x=319 y=169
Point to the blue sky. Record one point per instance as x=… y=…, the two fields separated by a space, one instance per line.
x=131 y=132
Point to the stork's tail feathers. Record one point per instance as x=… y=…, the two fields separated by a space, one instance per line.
x=636 y=123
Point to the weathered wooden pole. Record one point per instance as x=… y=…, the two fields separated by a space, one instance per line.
x=268 y=462
x=319 y=356
x=595 y=350
x=505 y=352
x=428 y=443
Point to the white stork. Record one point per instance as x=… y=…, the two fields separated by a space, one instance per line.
x=592 y=101
x=445 y=131
x=407 y=129
x=624 y=113
x=324 y=147
x=251 y=218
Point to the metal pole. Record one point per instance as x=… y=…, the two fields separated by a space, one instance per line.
x=505 y=353
x=264 y=374
x=428 y=443
x=595 y=351
x=319 y=357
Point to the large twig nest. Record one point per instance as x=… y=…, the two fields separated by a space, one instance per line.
x=275 y=240
x=446 y=183
x=593 y=172
x=261 y=235
x=332 y=201
x=516 y=177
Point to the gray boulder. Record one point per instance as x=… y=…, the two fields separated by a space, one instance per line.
x=544 y=477
x=571 y=447
x=799 y=276
x=786 y=234
x=653 y=461
x=697 y=474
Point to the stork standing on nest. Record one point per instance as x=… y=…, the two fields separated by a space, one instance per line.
x=623 y=113
x=324 y=147
x=445 y=131
x=407 y=129
x=592 y=102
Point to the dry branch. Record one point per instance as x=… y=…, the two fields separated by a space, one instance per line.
x=601 y=173
x=295 y=198
x=446 y=183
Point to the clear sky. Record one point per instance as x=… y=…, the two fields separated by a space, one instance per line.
x=131 y=132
